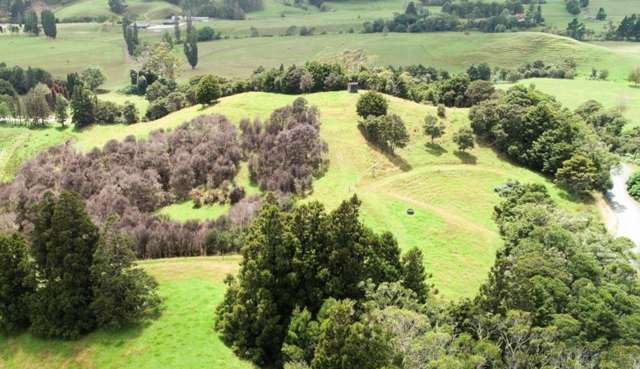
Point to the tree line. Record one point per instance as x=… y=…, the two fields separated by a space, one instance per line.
x=459 y=16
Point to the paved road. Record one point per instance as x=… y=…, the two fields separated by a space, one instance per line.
x=625 y=209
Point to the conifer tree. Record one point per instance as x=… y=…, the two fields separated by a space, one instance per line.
x=62 y=244
x=16 y=283
x=49 y=23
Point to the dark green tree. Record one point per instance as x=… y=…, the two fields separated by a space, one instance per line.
x=414 y=276
x=49 y=23
x=123 y=293
x=207 y=90
x=31 y=23
x=371 y=103
x=346 y=342
x=16 y=283
x=63 y=242
x=576 y=29
x=602 y=15
x=191 y=44
x=117 y=6
x=573 y=7
x=83 y=106
x=464 y=139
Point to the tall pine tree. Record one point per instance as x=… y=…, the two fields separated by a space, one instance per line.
x=16 y=284
x=63 y=243
x=191 y=44
x=49 y=23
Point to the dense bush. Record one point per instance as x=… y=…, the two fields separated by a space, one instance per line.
x=385 y=131
x=286 y=152
x=539 y=69
x=371 y=103
x=133 y=178
x=533 y=129
x=552 y=270
x=633 y=185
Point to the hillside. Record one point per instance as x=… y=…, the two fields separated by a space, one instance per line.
x=452 y=194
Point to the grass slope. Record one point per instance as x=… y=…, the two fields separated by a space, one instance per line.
x=182 y=338
x=452 y=194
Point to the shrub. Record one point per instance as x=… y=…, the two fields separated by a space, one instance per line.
x=633 y=185
x=108 y=112
x=207 y=90
x=371 y=103
x=206 y=33
x=130 y=113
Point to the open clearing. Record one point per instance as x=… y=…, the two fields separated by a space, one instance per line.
x=452 y=194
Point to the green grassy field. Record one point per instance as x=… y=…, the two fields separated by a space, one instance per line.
x=81 y=45
x=452 y=194
x=182 y=338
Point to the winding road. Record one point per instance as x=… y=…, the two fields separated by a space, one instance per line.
x=624 y=210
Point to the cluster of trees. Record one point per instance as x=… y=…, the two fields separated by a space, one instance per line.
x=538 y=69
x=286 y=152
x=305 y=258
x=227 y=9
x=386 y=131
x=72 y=277
x=417 y=82
x=561 y=294
x=607 y=123
x=48 y=20
x=570 y=286
x=132 y=179
x=483 y=16
x=534 y=130
x=628 y=29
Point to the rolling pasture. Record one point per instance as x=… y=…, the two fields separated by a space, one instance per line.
x=452 y=193
x=81 y=45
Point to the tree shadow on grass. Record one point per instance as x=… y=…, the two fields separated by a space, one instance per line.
x=394 y=158
x=466 y=158
x=435 y=149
